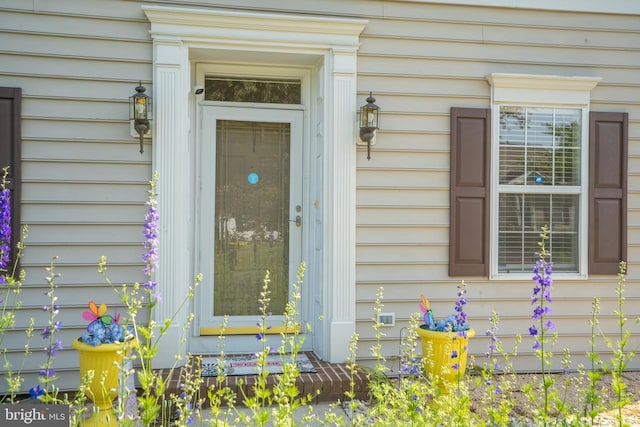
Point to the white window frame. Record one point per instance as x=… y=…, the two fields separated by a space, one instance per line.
x=540 y=91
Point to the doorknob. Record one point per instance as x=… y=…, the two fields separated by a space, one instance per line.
x=298 y=221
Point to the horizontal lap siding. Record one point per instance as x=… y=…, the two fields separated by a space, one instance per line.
x=84 y=181
x=421 y=60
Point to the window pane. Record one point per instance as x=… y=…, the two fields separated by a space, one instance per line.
x=521 y=216
x=512 y=125
x=539 y=146
x=512 y=164
x=251 y=217
x=271 y=91
x=539 y=164
x=563 y=242
x=567 y=161
x=540 y=127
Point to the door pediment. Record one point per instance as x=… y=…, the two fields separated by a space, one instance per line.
x=237 y=30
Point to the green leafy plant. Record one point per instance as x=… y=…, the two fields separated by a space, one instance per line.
x=496 y=377
x=621 y=354
x=593 y=403
x=541 y=330
x=287 y=397
x=220 y=396
x=153 y=403
x=47 y=374
x=408 y=398
x=11 y=280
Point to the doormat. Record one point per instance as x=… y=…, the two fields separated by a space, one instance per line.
x=246 y=365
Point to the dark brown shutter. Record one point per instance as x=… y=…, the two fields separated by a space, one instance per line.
x=607 y=191
x=469 y=192
x=10 y=115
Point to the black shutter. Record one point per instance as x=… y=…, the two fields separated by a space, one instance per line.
x=607 y=191
x=469 y=192
x=10 y=137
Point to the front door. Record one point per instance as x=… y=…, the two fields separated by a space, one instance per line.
x=250 y=220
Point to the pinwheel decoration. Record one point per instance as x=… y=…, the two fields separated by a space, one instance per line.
x=103 y=328
x=455 y=322
x=426 y=311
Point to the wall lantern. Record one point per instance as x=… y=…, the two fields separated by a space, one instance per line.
x=140 y=112
x=369 y=122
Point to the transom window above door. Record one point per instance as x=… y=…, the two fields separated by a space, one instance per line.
x=254 y=90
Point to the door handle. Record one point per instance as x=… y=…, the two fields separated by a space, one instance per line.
x=298 y=221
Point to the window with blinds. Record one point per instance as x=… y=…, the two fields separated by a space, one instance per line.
x=539 y=167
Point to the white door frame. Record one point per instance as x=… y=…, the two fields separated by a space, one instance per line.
x=182 y=36
x=208 y=114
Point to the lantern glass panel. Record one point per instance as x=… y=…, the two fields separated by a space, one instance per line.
x=140 y=108
x=369 y=117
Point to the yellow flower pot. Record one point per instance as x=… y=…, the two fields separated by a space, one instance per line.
x=104 y=361
x=437 y=352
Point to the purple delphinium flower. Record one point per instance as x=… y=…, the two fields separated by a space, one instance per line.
x=54 y=310
x=36 y=392
x=492 y=333
x=549 y=325
x=544 y=282
x=47 y=373
x=150 y=255
x=461 y=325
x=461 y=316
x=498 y=390
x=5 y=228
x=53 y=350
x=541 y=296
x=46 y=333
x=409 y=368
x=456 y=322
x=494 y=339
x=150 y=285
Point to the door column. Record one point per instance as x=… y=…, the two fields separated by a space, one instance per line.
x=340 y=196
x=171 y=161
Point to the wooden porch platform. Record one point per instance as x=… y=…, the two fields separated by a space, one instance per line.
x=328 y=384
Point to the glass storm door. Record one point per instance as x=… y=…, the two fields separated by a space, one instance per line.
x=251 y=218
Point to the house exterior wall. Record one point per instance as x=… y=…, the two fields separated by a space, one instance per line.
x=421 y=60
x=84 y=183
